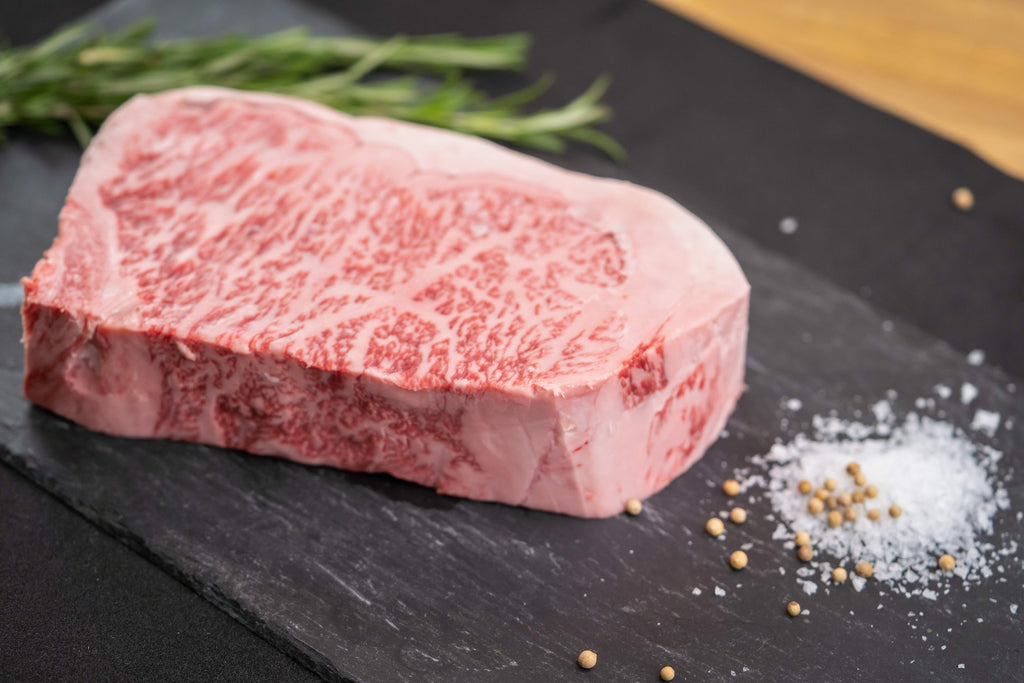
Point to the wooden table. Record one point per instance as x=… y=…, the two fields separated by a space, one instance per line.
x=955 y=68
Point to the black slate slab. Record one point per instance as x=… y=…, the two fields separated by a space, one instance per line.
x=371 y=578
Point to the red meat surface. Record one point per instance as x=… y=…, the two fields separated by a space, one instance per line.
x=261 y=273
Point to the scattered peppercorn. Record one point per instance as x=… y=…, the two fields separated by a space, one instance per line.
x=839 y=575
x=946 y=563
x=715 y=527
x=805 y=487
x=850 y=514
x=864 y=569
x=845 y=499
x=874 y=514
x=802 y=538
x=853 y=469
x=738 y=515
x=871 y=491
x=963 y=199
x=895 y=511
x=857 y=496
x=587 y=659
x=831 y=484
x=821 y=494
x=860 y=479
x=738 y=560
x=834 y=519
x=805 y=553
x=731 y=487
x=633 y=507
x=667 y=673
x=793 y=609
x=814 y=506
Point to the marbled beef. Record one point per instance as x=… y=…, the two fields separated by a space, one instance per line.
x=263 y=273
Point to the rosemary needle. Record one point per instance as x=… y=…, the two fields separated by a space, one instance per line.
x=76 y=77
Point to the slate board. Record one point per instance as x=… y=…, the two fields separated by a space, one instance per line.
x=368 y=578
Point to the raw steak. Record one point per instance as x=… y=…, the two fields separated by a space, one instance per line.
x=263 y=273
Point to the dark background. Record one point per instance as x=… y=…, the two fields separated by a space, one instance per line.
x=754 y=142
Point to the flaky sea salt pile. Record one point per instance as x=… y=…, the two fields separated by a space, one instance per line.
x=946 y=485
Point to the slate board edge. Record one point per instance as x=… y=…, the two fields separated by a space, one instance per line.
x=294 y=648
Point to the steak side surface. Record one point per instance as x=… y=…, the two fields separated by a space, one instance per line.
x=262 y=273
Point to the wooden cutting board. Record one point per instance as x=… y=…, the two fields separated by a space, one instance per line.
x=369 y=578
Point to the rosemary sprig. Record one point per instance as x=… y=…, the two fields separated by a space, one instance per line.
x=77 y=76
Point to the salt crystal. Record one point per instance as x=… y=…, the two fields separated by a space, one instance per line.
x=1013 y=608
x=960 y=666
x=719 y=591
x=809 y=587
x=788 y=225
x=882 y=411
x=968 y=392
x=697 y=591
x=794 y=404
x=753 y=481
x=986 y=422
x=976 y=357
x=914 y=463
x=943 y=391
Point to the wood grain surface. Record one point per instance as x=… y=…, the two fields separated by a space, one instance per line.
x=953 y=67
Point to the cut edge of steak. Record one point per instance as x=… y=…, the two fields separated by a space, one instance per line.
x=521 y=336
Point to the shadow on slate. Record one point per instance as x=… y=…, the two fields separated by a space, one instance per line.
x=366 y=577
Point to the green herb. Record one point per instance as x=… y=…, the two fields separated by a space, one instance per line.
x=79 y=75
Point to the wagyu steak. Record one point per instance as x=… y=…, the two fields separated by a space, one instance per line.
x=263 y=273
